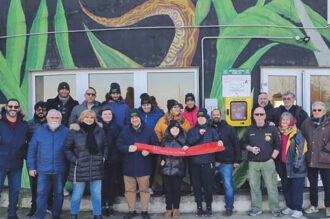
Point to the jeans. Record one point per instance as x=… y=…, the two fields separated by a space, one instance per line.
x=14 y=183
x=267 y=171
x=313 y=174
x=46 y=182
x=78 y=191
x=172 y=191
x=226 y=172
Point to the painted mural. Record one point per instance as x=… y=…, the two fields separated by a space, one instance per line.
x=57 y=34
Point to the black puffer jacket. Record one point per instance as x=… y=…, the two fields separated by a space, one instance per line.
x=174 y=166
x=195 y=138
x=85 y=166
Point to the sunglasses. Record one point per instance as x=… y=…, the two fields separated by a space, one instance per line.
x=11 y=107
x=317 y=110
x=286 y=98
x=259 y=114
x=90 y=94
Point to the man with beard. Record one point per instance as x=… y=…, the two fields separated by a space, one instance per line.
x=47 y=162
x=63 y=102
x=263 y=102
x=228 y=159
x=13 y=134
x=39 y=118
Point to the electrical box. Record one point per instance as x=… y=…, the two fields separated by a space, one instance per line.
x=238 y=111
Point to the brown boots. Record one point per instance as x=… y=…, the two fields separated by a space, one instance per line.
x=168 y=213
x=176 y=213
x=172 y=213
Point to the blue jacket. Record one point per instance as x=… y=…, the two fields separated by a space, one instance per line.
x=46 y=154
x=121 y=110
x=195 y=138
x=111 y=131
x=12 y=143
x=134 y=163
x=151 y=118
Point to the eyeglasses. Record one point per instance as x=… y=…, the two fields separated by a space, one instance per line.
x=286 y=98
x=90 y=94
x=11 y=106
x=259 y=114
x=317 y=110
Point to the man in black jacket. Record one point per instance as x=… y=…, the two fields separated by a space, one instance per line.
x=263 y=144
x=203 y=166
x=264 y=102
x=63 y=102
x=228 y=159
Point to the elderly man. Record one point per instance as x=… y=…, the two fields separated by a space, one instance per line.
x=13 y=135
x=295 y=110
x=88 y=103
x=47 y=162
x=63 y=102
x=136 y=165
x=317 y=133
x=263 y=143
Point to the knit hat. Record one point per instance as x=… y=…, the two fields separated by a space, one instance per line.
x=202 y=112
x=171 y=103
x=173 y=123
x=63 y=85
x=134 y=112
x=145 y=99
x=114 y=88
x=189 y=96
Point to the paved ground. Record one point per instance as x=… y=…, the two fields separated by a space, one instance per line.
x=88 y=215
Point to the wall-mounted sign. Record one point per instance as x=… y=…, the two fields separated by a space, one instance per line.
x=236 y=83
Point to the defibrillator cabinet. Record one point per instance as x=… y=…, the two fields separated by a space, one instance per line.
x=238 y=110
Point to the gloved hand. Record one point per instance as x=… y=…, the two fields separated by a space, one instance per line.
x=132 y=148
x=145 y=153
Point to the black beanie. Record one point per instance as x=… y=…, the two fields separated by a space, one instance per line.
x=63 y=85
x=173 y=123
x=114 y=88
x=145 y=99
x=189 y=96
x=202 y=112
x=171 y=103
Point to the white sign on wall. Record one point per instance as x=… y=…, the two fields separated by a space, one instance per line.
x=236 y=83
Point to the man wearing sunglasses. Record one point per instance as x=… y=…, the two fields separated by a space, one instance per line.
x=289 y=106
x=317 y=133
x=263 y=144
x=13 y=136
x=89 y=103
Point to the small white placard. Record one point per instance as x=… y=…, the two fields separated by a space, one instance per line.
x=211 y=104
x=236 y=85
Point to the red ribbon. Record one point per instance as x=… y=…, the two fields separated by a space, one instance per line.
x=207 y=148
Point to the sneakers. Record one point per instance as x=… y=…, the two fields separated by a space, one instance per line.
x=111 y=211
x=199 y=212
x=276 y=213
x=105 y=211
x=311 y=209
x=65 y=192
x=145 y=215
x=151 y=191
x=296 y=214
x=287 y=211
x=254 y=212
x=227 y=213
x=176 y=213
x=168 y=214
x=130 y=215
x=208 y=212
x=327 y=211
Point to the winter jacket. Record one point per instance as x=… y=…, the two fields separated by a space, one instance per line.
x=45 y=153
x=228 y=135
x=121 y=110
x=174 y=166
x=318 y=142
x=266 y=138
x=295 y=155
x=85 y=166
x=112 y=131
x=161 y=126
x=12 y=143
x=65 y=110
x=191 y=116
x=77 y=110
x=195 y=138
x=151 y=118
x=134 y=163
x=34 y=124
x=296 y=111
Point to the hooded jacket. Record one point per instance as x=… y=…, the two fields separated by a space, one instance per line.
x=174 y=166
x=12 y=142
x=121 y=110
x=151 y=118
x=134 y=163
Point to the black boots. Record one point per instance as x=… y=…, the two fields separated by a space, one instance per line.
x=74 y=216
x=98 y=217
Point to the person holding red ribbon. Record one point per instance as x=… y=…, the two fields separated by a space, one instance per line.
x=203 y=166
x=173 y=168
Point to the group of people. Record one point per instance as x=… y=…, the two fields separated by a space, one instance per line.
x=93 y=144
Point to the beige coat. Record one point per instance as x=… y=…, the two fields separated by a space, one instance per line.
x=318 y=139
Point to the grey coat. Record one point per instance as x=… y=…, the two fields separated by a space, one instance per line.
x=318 y=139
x=77 y=110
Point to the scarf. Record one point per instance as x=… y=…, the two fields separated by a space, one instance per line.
x=319 y=121
x=90 y=140
x=190 y=109
x=64 y=100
